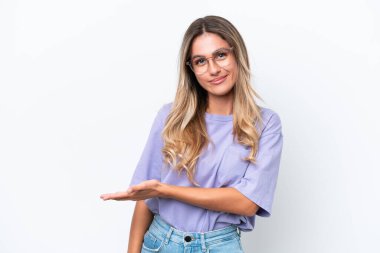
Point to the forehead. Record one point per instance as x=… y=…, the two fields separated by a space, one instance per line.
x=207 y=43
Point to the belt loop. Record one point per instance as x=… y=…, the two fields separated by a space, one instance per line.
x=168 y=235
x=238 y=231
x=203 y=242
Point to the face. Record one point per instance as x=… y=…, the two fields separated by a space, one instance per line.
x=217 y=81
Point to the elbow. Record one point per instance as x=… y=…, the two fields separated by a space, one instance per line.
x=247 y=207
x=250 y=209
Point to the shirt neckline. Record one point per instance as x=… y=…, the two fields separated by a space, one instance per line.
x=218 y=117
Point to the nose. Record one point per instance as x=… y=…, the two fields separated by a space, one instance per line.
x=213 y=67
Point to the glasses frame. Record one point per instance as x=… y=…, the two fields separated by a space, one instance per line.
x=188 y=62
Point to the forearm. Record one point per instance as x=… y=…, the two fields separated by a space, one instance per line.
x=141 y=220
x=227 y=200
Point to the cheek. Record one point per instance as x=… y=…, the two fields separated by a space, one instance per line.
x=236 y=72
x=233 y=75
x=202 y=82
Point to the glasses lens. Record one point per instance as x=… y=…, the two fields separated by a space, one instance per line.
x=221 y=57
x=199 y=65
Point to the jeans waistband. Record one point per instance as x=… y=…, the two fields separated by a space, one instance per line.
x=166 y=232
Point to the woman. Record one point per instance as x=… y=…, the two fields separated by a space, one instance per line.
x=212 y=156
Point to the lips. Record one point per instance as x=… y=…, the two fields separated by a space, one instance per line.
x=218 y=80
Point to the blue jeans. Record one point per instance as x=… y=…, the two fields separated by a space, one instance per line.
x=162 y=237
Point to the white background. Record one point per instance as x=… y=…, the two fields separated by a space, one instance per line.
x=81 y=81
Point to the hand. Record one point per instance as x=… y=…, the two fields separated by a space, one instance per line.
x=144 y=190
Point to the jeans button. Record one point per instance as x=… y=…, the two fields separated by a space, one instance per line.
x=187 y=238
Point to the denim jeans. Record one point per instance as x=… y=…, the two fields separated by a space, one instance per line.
x=163 y=238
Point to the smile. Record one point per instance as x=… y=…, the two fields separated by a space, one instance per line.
x=219 y=80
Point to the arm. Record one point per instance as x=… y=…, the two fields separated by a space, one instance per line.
x=228 y=200
x=217 y=199
x=142 y=217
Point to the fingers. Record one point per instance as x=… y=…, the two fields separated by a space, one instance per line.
x=135 y=192
x=135 y=195
x=116 y=195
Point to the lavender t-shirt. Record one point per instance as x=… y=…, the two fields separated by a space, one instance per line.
x=217 y=167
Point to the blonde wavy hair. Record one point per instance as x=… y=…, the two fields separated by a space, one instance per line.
x=185 y=134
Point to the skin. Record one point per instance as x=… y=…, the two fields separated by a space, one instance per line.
x=216 y=199
x=220 y=96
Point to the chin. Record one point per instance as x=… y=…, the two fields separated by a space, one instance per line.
x=221 y=92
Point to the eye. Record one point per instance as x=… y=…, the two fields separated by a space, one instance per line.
x=221 y=55
x=199 y=61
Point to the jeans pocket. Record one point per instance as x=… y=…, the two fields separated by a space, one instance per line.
x=226 y=245
x=151 y=243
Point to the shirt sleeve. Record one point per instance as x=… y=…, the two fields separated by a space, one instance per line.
x=150 y=162
x=259 y=182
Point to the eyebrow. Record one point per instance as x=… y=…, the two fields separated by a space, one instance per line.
x=197 y=55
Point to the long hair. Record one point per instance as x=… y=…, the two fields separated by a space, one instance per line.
x=185 y=133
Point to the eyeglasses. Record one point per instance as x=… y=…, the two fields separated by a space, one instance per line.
x=221 y=57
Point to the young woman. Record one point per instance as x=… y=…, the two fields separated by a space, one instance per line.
x=212 y=157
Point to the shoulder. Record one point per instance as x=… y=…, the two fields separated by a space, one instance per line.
x=166 y=108
x=271 y=121
x=163 y=113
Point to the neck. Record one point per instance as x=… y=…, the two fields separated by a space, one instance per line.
x=220 y=104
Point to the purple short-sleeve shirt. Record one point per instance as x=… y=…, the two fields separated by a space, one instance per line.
x=219 y=166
